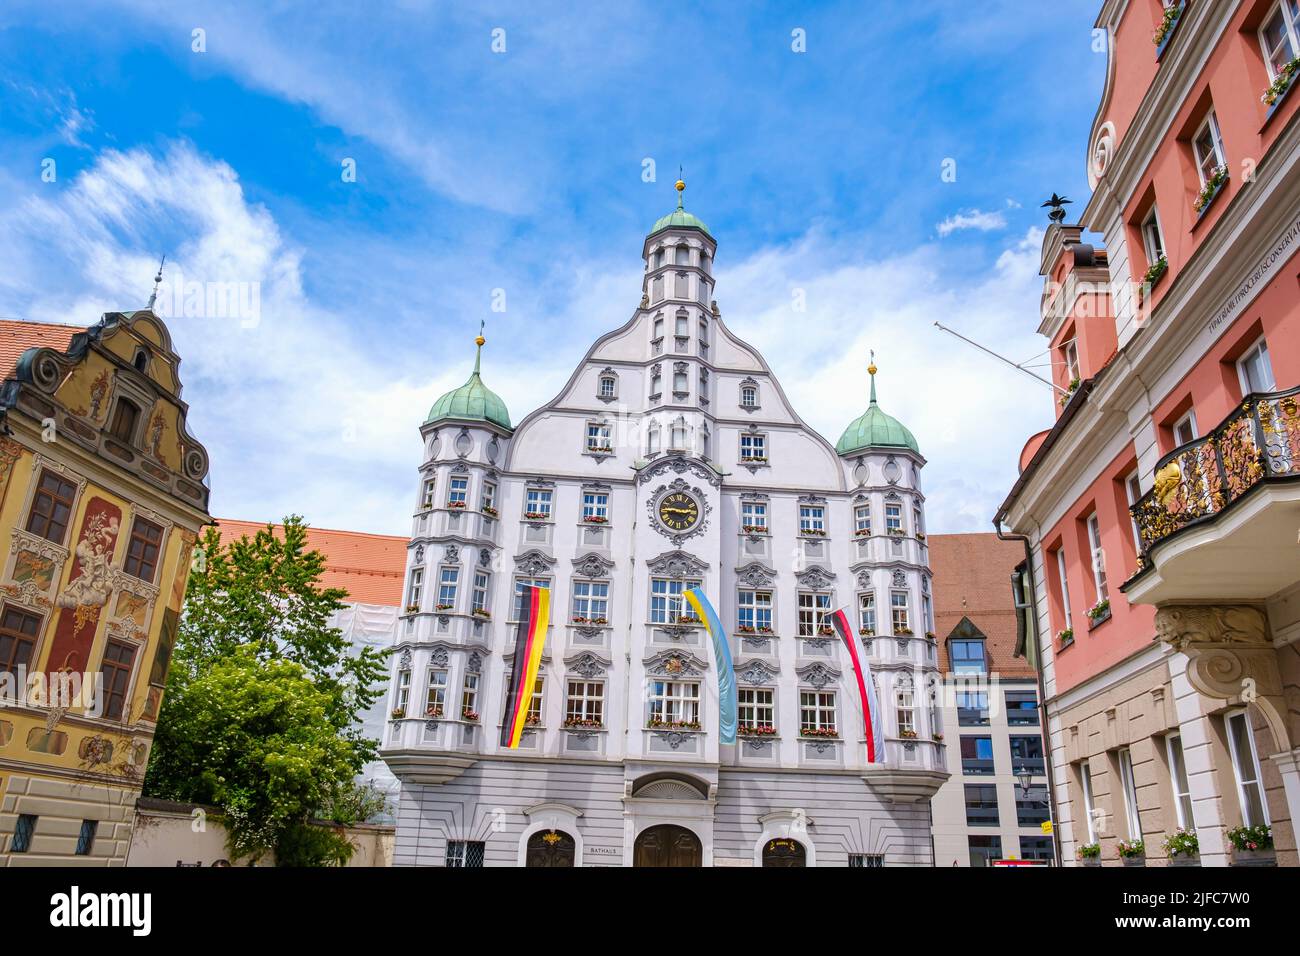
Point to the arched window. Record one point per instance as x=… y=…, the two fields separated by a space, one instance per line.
x=749 y=396
x=608 y=386
x=141 y=362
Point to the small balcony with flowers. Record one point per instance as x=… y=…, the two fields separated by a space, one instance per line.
x=1220 y=519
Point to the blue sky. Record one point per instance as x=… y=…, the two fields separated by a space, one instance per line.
x=522 y=170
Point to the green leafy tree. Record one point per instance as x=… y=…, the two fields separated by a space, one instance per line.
x=255 y=634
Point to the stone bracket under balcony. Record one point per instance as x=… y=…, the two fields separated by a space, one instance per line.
x=426 y=766
x=895 y=785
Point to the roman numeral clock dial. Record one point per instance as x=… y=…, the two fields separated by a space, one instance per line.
x=679 y=511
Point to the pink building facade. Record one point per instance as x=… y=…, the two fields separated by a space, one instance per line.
x=1161 y=512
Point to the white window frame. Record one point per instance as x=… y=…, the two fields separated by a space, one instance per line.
x=1238 y=768
x=893 y=516
x=756 y=706
x=1128 y=783
x=754 y=608
x=1182 y=788
x=674 y=701
x=435 y=695
x=479 y=591
x=469 y=687
x=1153 y=237
x=905 y=709
x=1097 y=554
x=862 y=520
x=488 y=499
x=812 y=518
x=1071 y=353
x=428 y=496
x=522 y=580
x=867 y=611
x=595 y=504
x=753 y=514
x=753 y=446
x=1133 y=492
x=458 y=491
x=1065 y=584
x=1289 y=17
x=1187 y=423
x=403 y=697
x=599 y=437
x=448 y=584
x=749 y=396
x=538 y=501
x=817 y=710
x=900 y=613
x=1260 y=348
x=1211 y=125
x=607 y=387
x=585 y=700
x=590 y=599
x=1089 y=806
x=813 y=606
x=667 y=605
x=415 y=587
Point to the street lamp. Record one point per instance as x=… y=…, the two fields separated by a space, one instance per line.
x=1024 y=777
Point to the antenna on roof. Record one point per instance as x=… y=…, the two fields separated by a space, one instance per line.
x=157 y=281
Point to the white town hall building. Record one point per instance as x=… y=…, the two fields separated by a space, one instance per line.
x=670 y=458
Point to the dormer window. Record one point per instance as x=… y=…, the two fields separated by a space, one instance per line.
x=125 y=417
x=141 y=362
x=749 y=396
x=608 y=387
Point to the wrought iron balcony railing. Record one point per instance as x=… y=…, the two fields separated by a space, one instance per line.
x=1196 y=482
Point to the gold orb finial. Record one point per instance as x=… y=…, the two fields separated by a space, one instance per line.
x=871 y=369
x=479 y=340
x=680 y=185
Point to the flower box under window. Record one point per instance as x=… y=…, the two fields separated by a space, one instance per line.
x=397 y=713
x=756 y=730
x=482 y=612
x=583 y=723
x=442 y=607
x=1280 y=87
x=907 y=734
x=754 y=528
x=456 y=504
x=433 y=712
x=470 y=715
x=828 y=732
x=812 y=532
x=579 y=619
x=1210 y=191
x=412 y=608
x=1165 y=30
x=673 y=724
x=489 y=511
x=537 y=515
x=595 y=519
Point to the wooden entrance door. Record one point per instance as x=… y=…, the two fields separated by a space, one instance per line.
x=784 y=853
x=668 y=845
x=550 y=848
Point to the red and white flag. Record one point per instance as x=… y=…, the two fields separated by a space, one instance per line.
x=871 y=715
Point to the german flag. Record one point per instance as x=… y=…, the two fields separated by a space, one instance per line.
x=529 y=639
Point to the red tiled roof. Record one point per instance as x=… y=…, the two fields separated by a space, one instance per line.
x=368 y=566
x=972 y=578
x=16 y=337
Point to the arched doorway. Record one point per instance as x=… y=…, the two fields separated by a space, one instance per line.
x=668 y=845
x=784 y=852
x=550 y=848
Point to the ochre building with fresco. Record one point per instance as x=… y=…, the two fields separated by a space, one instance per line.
x=102 y=494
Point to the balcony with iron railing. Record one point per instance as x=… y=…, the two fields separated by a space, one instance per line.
x=1220 y=519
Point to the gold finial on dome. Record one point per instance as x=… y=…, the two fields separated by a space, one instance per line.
x=871 y=369
x=478 y=339
x=680 y=186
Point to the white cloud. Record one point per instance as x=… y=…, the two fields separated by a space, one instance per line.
x=314 y=411
x=972 y=219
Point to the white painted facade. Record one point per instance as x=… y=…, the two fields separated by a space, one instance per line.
x=677 y=405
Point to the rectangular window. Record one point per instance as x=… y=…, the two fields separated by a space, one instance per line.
x=1208 y=147
x=862 y=521
x=585 y=705
x=465 y=853
x=1133 y=492
x=756 y=708
x=1185 y=430
x=753 y=516
x=1022 y=708
x=753 y=447
x=448 y=579
x=459 y=492
x=981 y=805
x=1152 y=239
x=415 y=589
x=598 y=437
x=86 y=838
x=1072 y=362
x=595 y=506
x=142 y=550
x=117 y=665
x=899 y=612
x=666 y=603
x=24 y=827
x=1178 y=778
x=488 y=502
x=533 y=717
x=1128 y=784
x=1254 y=369
x=1278 y=36
x=817 y=711
x=469 y=695
x=916 y=521
x=985 y=849
x=607 y=387
x=520 y=584
x=124 y=418
x=52 y=507
x=403 y=691
x=674 y=703
x=977 y=756
x=905 y=708
x=426 y=497
x=754 y=611
x=894 y=518
x=479 y=594
x=1032 y=808
x=927 y=608
x=1037 y=848
x=1027 y=755
x=812 y=606
x=866 y=861
x=1089 y=805
x=967 y=657
x=867 y=612
x=812 y=518
x=539 y=503
x=1065 y=585
x=972 y=708
x=591 y=601
x=1098 y=557
x=18 y=633
x=748 y=396
x=435 y=701
x=1245 y=767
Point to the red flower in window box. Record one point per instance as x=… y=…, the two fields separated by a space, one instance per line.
x=594 y=519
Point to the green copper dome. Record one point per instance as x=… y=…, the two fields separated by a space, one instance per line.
x=874 y=429
x=679 y=218
x=473 y=401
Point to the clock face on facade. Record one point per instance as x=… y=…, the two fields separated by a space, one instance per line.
x=679 y=511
